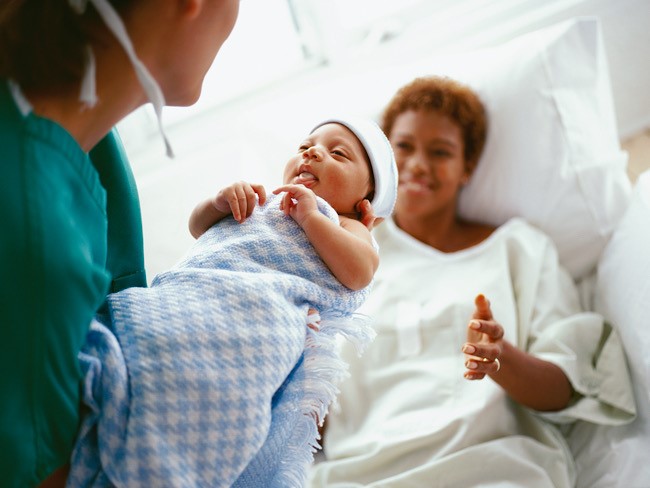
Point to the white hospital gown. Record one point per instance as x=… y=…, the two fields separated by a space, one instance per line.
x=407 y=416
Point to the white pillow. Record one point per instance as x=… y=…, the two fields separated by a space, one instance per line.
x=552 y=154
x=611 y=456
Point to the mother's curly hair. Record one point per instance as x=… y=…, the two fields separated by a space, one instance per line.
x=448 y=97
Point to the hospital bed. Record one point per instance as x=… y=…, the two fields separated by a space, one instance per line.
x=552 y=156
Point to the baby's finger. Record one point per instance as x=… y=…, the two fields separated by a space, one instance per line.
x=296 y=191
x=239 y=203
x=233 y=203
x=287 y=203
x=261 y=193
x=251 y=200
x=288 y=188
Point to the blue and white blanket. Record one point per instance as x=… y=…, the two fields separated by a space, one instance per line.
x=211 y=377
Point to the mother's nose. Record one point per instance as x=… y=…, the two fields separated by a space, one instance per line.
x=415 y=163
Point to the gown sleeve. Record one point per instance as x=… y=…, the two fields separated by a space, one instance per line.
x=582 y=344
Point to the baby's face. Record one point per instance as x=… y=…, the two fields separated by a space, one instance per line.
x=333 y=163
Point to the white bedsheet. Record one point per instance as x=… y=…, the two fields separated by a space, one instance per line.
x=409 y=418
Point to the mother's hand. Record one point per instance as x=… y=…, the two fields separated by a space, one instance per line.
x=484 y=342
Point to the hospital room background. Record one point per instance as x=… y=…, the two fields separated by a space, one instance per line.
x=284 y=62
x=290 y=62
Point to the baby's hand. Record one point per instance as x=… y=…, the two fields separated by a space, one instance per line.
x=299 y=202
x=240 y=199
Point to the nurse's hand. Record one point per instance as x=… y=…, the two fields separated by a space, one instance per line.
x=367 y=214
x=484 y=342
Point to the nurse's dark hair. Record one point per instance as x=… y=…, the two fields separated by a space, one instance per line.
x=450 y=98
x=42 y=42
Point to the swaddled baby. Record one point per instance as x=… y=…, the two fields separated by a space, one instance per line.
x=216 y=375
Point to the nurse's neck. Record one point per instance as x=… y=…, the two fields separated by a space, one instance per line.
x=117 y=96
x=87 y=125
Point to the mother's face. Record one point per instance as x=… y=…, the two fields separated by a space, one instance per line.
x=429 y=152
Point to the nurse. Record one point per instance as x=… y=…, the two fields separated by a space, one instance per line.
x=69 y=71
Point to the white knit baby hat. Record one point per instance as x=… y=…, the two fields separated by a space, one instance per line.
x=381 y=158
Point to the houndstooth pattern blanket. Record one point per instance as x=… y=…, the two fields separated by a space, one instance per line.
x=211 y=377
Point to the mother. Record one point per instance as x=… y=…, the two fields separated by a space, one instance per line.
x=408 y=414
x=69 y=71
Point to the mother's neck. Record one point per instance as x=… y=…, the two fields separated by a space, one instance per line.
x=443 y=231
x=429 y=229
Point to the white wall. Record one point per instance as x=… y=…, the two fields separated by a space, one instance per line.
x=470 y=24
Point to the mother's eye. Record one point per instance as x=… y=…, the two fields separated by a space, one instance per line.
x=402 y=146
x=440 y=153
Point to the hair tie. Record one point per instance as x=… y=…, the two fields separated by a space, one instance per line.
x=88 y=94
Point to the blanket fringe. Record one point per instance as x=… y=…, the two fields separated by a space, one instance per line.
x=324 y=370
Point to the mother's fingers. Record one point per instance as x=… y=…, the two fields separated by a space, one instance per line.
x=473 y=375
x=491 y=328
x=482 y=310
x=482 y=352
x=481 y=366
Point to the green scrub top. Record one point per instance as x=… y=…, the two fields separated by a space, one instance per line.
x=71 y=231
